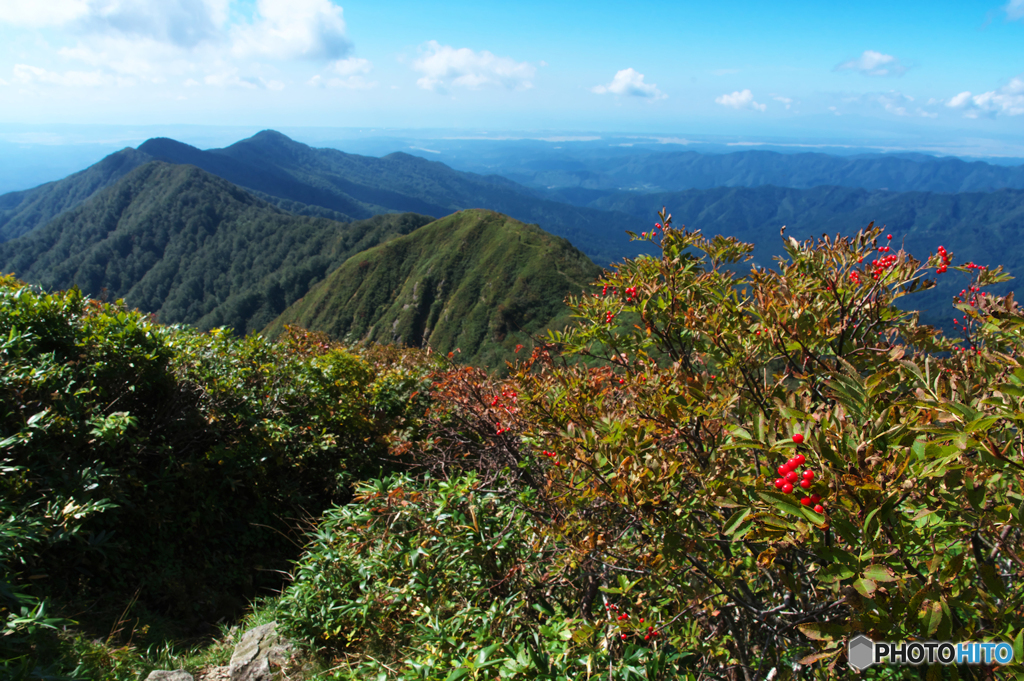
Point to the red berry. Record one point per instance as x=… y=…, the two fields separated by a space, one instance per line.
x=779 y=482
x=815 y=498
x=783 y=470
x=792 y=476
x=806 y=501
x=623 y=637
x=808 y=475
x=800 y=459
x=819 y=509
x=787 y=488
x=806 y=484
x=798 y=438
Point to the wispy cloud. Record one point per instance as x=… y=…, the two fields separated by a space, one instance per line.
x=230 y=78
x=445 y=67
x=346 y=73
x=872 y=63
x=1014 y=10
x=787 y=101
x=741 y=99
x=26 y=75
x=1006 y=101
x=628 y=82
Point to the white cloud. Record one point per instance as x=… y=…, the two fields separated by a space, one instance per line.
x=351 y=72
x=1006 y=101
x=785 y=100
x=185 y=23
x=444 y=67
x=38 y=14
x=229 y=78
x=1014 y=10
x=630 y=82
x=28 y=75
x=293 y=29
x=873 y=63
x=959 y=100
x=740 y=100
x=351 y=66
x=896 y=103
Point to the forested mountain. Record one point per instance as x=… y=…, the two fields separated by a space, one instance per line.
x=476 y=280
x=191 y=247
x=21 y=212
x=361 y=186
x=562 y=174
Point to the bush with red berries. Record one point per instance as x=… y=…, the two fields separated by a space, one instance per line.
x=789 y=458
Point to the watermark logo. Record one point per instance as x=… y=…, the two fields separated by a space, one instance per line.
x=863 y=652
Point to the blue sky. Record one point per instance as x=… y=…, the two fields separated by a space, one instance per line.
x=942 y=76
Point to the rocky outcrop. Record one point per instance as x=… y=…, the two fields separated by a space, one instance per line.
x=176 y=675
x=260 y=654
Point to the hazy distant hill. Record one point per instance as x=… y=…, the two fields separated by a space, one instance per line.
x=984 y=227
x=21 y=212
x=191 y=247
x=476 y=280
x=563 y=175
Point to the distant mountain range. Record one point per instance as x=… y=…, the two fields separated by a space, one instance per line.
x=580 y=177
x=345 y=243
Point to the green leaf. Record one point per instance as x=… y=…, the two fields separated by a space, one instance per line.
x=932 y=618
x=735 y=521
x=824 y=631
x=879 y=573
x=865 y=587
x=782 y=502
x=818 y=657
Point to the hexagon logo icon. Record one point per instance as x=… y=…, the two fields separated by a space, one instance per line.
x=861 y=652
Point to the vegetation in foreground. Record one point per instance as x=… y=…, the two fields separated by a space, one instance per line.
x=637 y=519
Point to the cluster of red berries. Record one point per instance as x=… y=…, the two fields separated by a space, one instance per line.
x=880 y=266
x=552 y=455
x=502 y=430
x=608 y=317
x=945 y=260
x=630 y=293
x=510 y=394
x=972 y=266
x=790 y=479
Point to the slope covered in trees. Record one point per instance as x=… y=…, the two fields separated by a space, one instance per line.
x=190 y=247
x=21 y=212
x=475 y=281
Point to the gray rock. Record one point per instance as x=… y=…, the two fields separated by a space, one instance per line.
x=176 y=675
x=260 y=652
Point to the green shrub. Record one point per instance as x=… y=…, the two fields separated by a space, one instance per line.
x=156 y=477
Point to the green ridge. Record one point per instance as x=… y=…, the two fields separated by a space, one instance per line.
x=476 y=281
